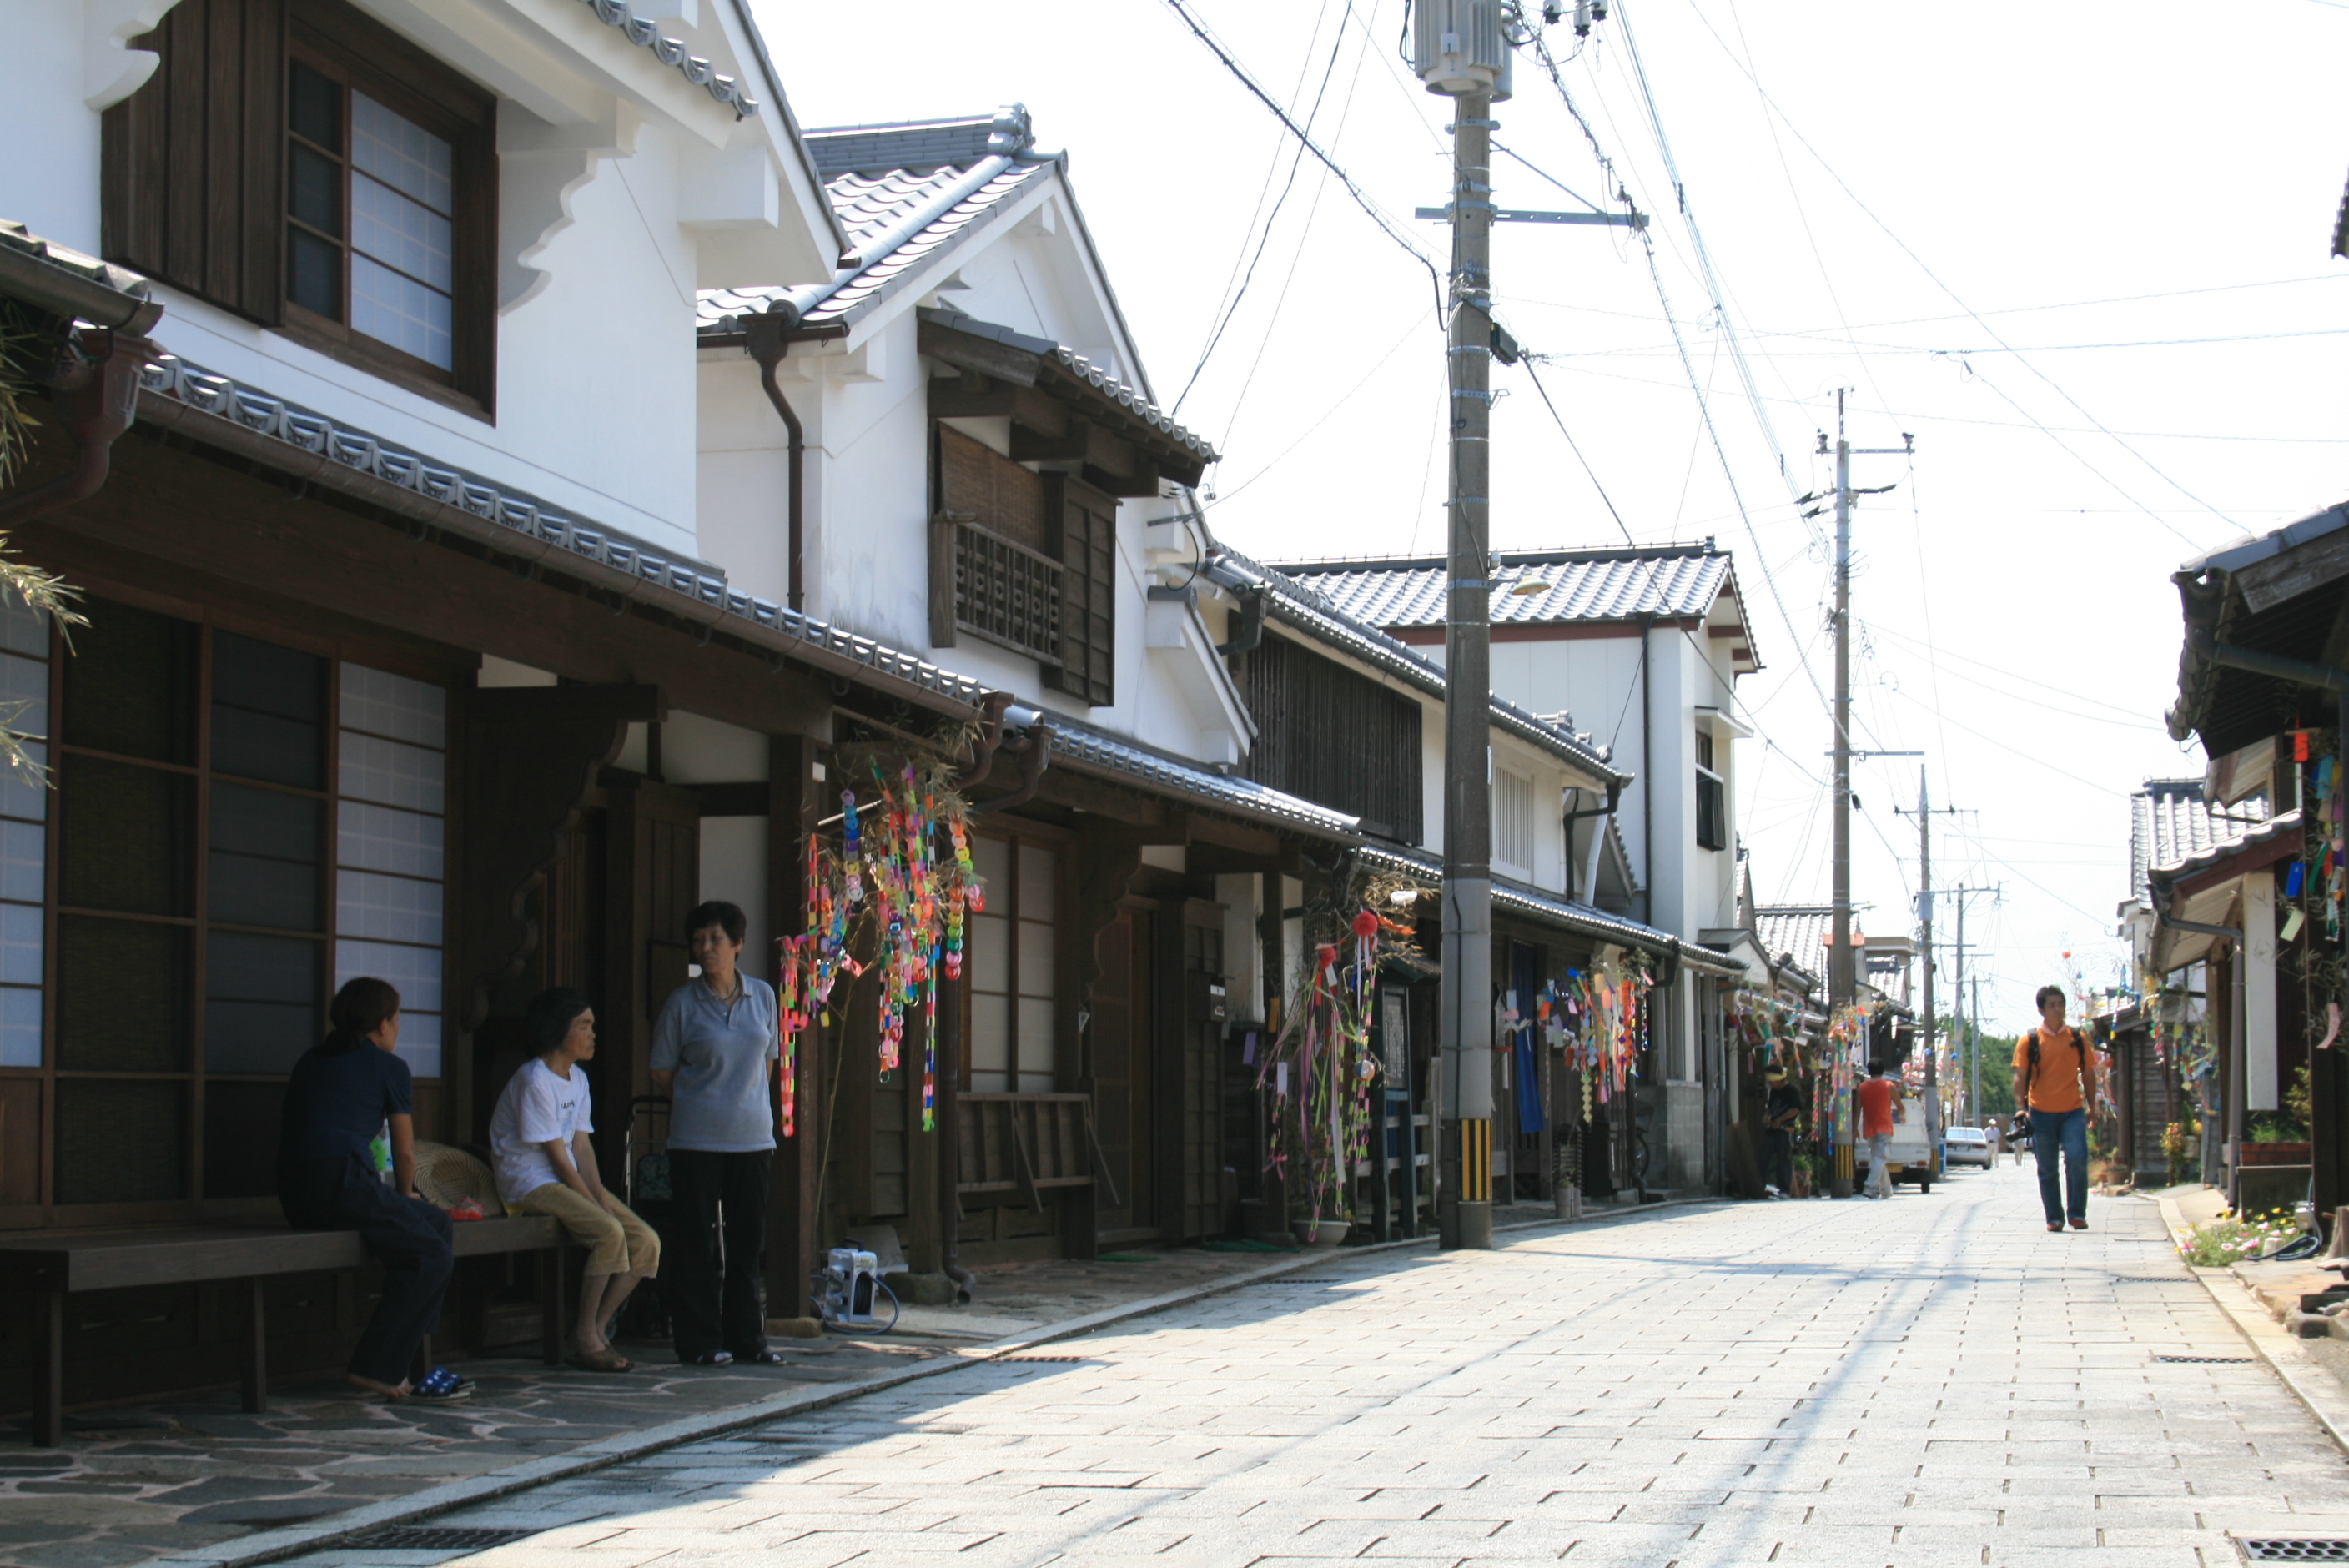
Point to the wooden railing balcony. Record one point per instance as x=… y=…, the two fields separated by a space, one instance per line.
x=995 y=588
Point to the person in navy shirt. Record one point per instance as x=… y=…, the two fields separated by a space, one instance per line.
x=343 y=1092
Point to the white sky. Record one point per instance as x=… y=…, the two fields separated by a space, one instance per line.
x=2099 y=181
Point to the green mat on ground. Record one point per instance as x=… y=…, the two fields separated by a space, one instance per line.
x=1246 y=1246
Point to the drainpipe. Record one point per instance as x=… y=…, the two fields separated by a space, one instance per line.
x=95 y=391
x=992 y=709
x=1035 y=755
x=1614 y=793
x=1251 y=631
x=766 y=337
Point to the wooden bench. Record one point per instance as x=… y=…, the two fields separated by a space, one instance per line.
x=1028 y=1144
x=57 y=1266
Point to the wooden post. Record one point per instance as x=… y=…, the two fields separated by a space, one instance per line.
x=256 y=1346
x=794 y=1241
x=49 y=1379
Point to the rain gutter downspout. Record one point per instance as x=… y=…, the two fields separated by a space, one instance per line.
x=1614 y=794
x=95 y=390
x=766 y=337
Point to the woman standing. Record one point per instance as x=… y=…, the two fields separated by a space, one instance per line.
x=710 y=1054
x=342 y=1091
x=546 y=1164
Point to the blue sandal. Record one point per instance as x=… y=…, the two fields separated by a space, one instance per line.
x=441 y=1386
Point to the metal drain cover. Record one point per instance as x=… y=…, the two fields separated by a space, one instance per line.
x=434 y=1538
x=2204 y=1360
x=1062 y=1360
x=2295 y=1548
x=2150 y=1279
x=1298 y=1279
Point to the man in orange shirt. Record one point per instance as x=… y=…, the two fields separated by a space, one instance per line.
x=1876 y=1096
x=2059 y=1090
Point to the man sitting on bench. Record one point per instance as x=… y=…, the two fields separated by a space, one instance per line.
x=343 y=1092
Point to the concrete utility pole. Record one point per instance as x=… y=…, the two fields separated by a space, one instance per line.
x=1924 y=815
x=1843 y=981
x=1461 y=50
x=1466 y=1220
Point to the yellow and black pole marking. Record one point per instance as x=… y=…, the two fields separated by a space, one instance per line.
x=1476 y=1162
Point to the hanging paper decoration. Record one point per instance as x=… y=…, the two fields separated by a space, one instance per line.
x=889 y=878
x=1323 y=1057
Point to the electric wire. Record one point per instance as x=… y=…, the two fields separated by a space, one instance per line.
x=1272 y=219
x=1935 y=277
x=1361 y=198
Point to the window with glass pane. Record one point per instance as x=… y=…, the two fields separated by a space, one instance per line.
x=1014 y=957
x=226 y=853
x=371 y=215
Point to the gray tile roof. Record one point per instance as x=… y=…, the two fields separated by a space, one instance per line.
x=693 y=590
x=1072 y=739
x=906 y=195
x=1673 y=581
x=1301 y=606
x=646 y=35
x=1068 y=362
x=1797 y=929
x=1550 y=909
x=2171 y=821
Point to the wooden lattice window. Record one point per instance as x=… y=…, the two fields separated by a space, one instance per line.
x=1004 y=592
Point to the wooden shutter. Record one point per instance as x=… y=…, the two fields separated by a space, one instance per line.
x=191 y=189
x=978 y=485
x=1083 y=523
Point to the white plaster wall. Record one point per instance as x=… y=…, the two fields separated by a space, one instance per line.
x=734 y=868
x=594 y=389
x=698 y=751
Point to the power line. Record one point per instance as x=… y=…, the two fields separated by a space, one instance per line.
x=1935 y=277
x=1386 y=225
x=1296 y=161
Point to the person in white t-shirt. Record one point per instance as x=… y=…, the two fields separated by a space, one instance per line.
x=546 y=1165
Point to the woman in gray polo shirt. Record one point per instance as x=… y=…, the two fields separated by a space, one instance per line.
x=711 y=1051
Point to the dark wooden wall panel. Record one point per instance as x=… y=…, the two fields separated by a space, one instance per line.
x=1334 y=736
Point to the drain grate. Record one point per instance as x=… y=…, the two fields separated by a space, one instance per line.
x=434 y=1538
x=1058 y=1360
x=2295 y=1548
x=2149 y=1279
x=2204 y=1360
x=1299 y=1279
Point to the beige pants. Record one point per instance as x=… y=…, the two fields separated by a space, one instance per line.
x=617 y=1241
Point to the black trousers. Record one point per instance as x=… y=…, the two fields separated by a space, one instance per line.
x=708 y=1312
x=1778 y=1160
x=410 y=1237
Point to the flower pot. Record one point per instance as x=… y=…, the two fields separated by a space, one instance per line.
x=2272 y=1154
x=1318 y=1232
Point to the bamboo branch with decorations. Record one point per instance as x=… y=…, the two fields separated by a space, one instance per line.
x=48 y=596
x=1320 y=1068
x=901 y=875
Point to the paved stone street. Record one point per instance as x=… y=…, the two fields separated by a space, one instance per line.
x=1931 y=1379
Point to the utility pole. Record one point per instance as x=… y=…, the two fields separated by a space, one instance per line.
x=1842 y=976
x=1924 y=815
x=1461 y=50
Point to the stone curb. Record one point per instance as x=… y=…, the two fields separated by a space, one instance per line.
x=293 y=1541
x=2317 y=1389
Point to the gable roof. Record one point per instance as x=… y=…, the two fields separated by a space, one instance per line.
x=1293 y=604
x=2171 y=821
x=1672 y=582
x=905 y=194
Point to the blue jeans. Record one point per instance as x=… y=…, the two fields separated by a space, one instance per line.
x=2067 y=1131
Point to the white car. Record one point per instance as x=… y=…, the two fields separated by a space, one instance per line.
x=1967 y=1146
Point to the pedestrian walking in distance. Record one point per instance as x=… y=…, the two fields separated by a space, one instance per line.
x=1778 y=1122
x=2056 y=1066
x=1877 y=1094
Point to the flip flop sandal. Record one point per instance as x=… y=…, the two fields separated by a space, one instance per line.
x=763 y=1359
x=441 y=1386
x=708 y=1359
x=604 y=1360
